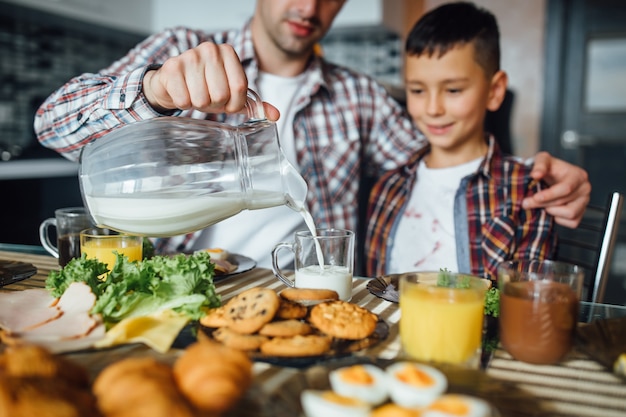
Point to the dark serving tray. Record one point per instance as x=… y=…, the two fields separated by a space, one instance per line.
x=13 y=271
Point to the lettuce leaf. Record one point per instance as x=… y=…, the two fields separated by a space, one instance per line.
x=181 y=283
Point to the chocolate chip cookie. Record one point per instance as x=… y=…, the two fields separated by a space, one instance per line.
x=250 y=310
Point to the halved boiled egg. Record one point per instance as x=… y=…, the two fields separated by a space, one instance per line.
x=394 y=410
x=217 y=253
x=316 y=403
x=366 y=382
x=456 y=405
x=415 y=385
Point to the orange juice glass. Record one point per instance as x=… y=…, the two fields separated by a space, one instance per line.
x=442 y=322
x=102 y=244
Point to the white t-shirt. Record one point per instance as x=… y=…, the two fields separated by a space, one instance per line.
x=254 y=233
x=424 y=238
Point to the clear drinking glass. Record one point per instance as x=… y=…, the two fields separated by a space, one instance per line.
x=539 y=308
x=442 y=316
x=324 y=260
x=68 y=221
x=103 y=244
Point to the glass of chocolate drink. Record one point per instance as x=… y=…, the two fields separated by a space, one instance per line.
x=539 y=308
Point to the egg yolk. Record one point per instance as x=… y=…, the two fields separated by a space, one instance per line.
x=450 y=405
x=216 y=251
x=393 y=410
x=414 y=376
x=357 y=375
x=340 y=399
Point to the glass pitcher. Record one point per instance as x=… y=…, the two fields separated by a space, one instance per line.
x=174 y=175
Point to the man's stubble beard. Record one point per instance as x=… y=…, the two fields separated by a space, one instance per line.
x=293 y=48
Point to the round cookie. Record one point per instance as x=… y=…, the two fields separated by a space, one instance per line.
x=232 y=339
x=216 y=317
x=343 y=320
x=309 y=345
x=248 y=311
x=286 y=328
x=291 y=310
x=308 y=294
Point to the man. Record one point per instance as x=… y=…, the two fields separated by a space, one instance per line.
x=336 y=125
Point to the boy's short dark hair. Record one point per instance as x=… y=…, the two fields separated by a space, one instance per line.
x=455 y=24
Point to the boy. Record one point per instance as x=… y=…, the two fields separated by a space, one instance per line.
x=458 y=203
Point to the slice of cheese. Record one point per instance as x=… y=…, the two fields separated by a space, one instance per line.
x=157 y=331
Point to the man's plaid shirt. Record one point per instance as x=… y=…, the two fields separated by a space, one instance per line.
x=346 y=123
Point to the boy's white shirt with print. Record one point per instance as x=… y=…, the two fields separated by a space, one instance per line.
x=424 y=238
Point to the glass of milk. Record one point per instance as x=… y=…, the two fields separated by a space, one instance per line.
x=323 y=259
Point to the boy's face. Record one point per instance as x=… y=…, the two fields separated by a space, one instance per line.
x=448 y=97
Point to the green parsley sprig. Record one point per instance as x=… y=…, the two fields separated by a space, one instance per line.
x=492 y=302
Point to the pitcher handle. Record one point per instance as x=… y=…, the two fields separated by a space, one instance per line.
x=254 y=106
x=277 y=272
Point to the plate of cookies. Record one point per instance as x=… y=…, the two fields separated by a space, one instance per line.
x=295 y=328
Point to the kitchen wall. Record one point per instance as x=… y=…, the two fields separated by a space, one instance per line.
x=219 y=14
x=40 y=52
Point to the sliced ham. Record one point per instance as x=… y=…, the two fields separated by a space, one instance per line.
x=56 y=345
x=75 y=320
x=68 y=326
x=77 y=298
x=23 y=310
x=72 y=328
x=71 y=345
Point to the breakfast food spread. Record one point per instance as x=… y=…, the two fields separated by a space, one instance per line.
x=222 y=260
x=286 y=328
x=309 y=294
x=249 y=311
x=414 y=390
x=58 y=324
x=365 y=382
x=291 y=309
x=309 y=345
x=212 y=377
x=318 y=403
x=285 y=325
x=35 y=382
x=415 y=385
x=240 y=341
x=145 y=383
x=343 y=320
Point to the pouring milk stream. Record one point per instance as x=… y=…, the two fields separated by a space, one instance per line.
x=171 y=175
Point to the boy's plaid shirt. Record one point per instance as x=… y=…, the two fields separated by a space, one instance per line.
x=490 y=224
